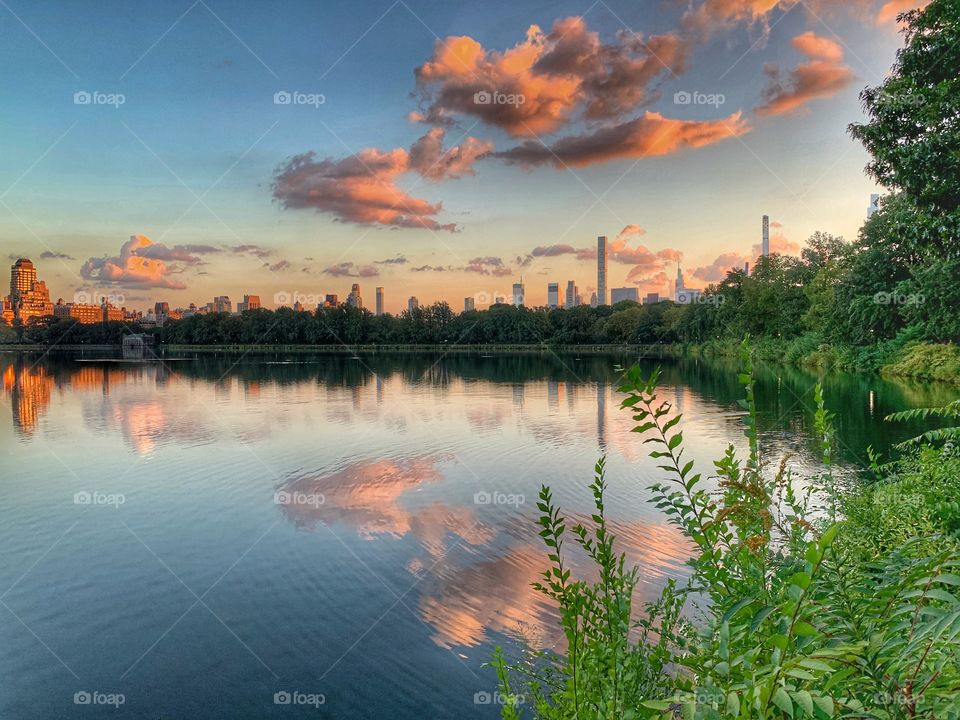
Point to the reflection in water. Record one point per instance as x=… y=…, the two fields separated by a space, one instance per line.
x=406 y=453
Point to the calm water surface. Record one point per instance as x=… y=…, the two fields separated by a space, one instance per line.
x=200 y=534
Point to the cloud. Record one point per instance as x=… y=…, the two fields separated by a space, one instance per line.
x=648 y=281
x=587 y=253
x=133 y=267
x=280 y=266
x=53 y=255
x=488 y=266
x=717 y=270
x=779 y=244
x=429 y=268
x=822 y=76
x=187 y=254
x=429 y=159
x=628 y=232
x=349 y=269
x=547 y=79
x=716 y=14
x=649 y=135
x=890 y=10
x=398 y=260
x=361 y=188
x=255 y=250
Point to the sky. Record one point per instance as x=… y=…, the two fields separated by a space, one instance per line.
x=180 y=150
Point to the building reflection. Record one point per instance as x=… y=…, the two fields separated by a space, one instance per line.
x=29 y=387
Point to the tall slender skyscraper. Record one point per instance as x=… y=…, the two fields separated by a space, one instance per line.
x=573 y=296
x=354 y=299
x=379 y=301
x=553 y=295
x=766 y=236
x=518 y=293
x=602 y=270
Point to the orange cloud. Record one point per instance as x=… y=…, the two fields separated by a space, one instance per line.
x=543 y=82
x=714 y=14
x=138 y=265
x=824 y=75
x=890 y=10
x=649 y=135
x=361 y=188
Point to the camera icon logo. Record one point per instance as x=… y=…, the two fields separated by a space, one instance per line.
x=482 y=498
x=882 y=298
x=282 y=298
x=482 y=97
x=282 y=97
x=82 y=498
x=282 y=698
x=82 y=97
x=82 y=698
x=282 y=498
x=482 y=698
x=682 y=98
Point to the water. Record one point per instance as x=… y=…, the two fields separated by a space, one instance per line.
x=200 y=534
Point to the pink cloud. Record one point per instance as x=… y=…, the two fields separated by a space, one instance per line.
x=134 y=267
x=649 y=135
x=824 y=75
x=890 y=10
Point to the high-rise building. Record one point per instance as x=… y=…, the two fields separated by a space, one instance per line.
x=573 y=297
x=354 y=299
x=29 y=297
x=746 y=268
x=379 y=301
x=766 y=236
x=518 y=293
x=593 y=299
x=110 y=313
x=499 y=299
x=412 y=304
x=874 y=205
x=625 y=293
x=222 y=304
x=469 y=304
x=161 y=308
x=331 y=301
x=553 y=295
x=601 y=270
x=250 y=302
x=83 y=313
x=651 y=299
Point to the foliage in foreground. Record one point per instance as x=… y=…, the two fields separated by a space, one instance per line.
x=800 y=603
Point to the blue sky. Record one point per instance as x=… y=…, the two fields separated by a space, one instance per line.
x=198 y=119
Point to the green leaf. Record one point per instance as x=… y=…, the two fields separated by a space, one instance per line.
x=783 y=701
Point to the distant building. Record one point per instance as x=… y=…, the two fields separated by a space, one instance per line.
x=746 y=268
x=874 y=206
x=625 y=293
x=518 y=293
x=83 y=313
x=765 y=238
x=469 y=304
x=353 y=299
x=412 y=304
x=222 y=304
x=29 y=297
x=379 y=301
x=601 y=271
x=593 y=300
x=109 y=313
x=331 y=301
x=573 y=296
x=499 y=300
x=685 y=295
x=651 y=299
x=250 y=302
x=297 y=306
x=553 y=295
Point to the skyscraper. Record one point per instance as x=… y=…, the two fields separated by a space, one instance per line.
x=766 y=236
x=379 y=301
x=874 y=205
x=222 y=304
x=625 y=293
x=518 y=293
x=553 y=295
x=28 y=296
x=412 y=304
x=250 y=302
x=602 y=270
x=354 y=299
x=469 y=304
x=573 y=296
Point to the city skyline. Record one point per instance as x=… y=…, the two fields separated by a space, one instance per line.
x=466 y=195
